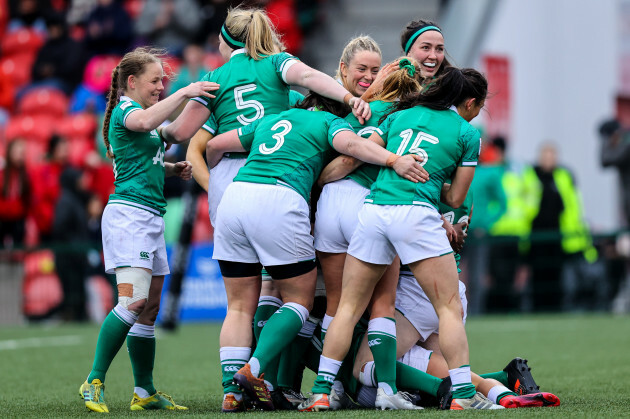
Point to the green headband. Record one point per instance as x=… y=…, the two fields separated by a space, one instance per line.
x=417 y=34
x=405 y=63
x=230 y=39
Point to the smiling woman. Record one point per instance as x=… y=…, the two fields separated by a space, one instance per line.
x=359 y=64
x=133 y=227
x=423 y=41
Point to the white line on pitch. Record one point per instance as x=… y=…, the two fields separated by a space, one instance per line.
x=12 y=344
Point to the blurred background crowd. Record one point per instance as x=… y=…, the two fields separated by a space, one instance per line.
x=529 y=247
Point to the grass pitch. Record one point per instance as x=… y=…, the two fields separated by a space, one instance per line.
x=583 y=359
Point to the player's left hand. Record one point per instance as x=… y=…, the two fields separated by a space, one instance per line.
x=183 y=169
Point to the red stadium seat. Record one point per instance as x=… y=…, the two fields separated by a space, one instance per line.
x=79 y=149
x=45 y=101
x=77 y=125
x=21 y=41
x=41 y=289
x=18 y=68
x=31 y=128
x=133 y=7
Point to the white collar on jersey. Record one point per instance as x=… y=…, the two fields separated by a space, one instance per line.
x=237 y=51
x=454 y=109
x=127 y=98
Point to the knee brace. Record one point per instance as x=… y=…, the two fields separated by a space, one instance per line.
x=133 y=285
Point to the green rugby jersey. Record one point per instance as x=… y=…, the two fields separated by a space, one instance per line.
x=211 y=125
x=366 y=174
x=290 y=148
x=443 y=138
x=250 y=89
x=138 y=162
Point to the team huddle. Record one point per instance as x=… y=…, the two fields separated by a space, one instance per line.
x=393 y=153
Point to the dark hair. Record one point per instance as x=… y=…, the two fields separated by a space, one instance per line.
x=475 y=86
x=315 y=100
x=452 y=88
x=440 y=94
x=54 y=141
x=608 y=128
x=499 y=143
x=411 y=28
x=25 y=185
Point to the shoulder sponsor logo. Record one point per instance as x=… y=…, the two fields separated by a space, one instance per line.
x=374 y=342
x=144 y=255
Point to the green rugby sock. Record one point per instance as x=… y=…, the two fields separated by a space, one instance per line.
x=141 y=346
x=500 y=376
x=278 y=332
x=382 y=342
x=292 y=356
x=233 y=358
x=111 y=337
x=267 y=305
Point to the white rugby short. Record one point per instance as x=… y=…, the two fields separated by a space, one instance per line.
x=263 y=223
x=338 y=214
x=414 y=304
x=414 y=232
x=221 y=176
x=133 y=237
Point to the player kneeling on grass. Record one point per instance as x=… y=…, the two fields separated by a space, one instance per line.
x=263 y=220
x=133 y=227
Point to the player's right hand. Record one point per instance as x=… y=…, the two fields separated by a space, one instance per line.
x=200 y=88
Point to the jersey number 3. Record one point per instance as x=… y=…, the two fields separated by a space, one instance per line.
x=285 y=127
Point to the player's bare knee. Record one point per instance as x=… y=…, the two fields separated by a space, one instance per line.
x=133 y=288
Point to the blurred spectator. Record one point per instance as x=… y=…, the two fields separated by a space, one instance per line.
x=501 y=196
x=28 y=13
x=99 y=176
x=14 y=195
x=615 y=152
x=71 y=236
x=170 y=24
x=45 y=186
x=90 y=95
x=560 y=235
x=213 y=13
x=109 y=29
x=61 y=60
x=191 y=70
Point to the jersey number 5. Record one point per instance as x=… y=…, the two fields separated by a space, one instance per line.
x=279 y=136
x=244 y=104
x=415 y=146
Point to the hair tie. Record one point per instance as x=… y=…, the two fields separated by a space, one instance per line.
x=405 y=63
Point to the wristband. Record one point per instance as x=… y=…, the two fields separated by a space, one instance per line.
x=347 y=98
x=391 y=160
